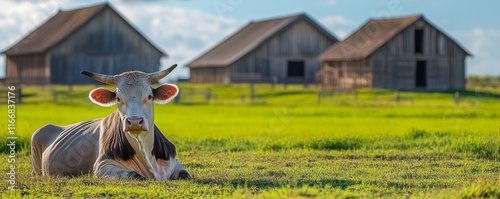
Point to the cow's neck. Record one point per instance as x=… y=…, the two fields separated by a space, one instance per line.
x=135 y=152
x=140 y=157
x=143 y=158
x=144 y=146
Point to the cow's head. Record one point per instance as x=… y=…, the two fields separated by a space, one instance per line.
x=134 y=96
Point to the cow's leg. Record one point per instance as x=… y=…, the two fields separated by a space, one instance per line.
x=107 y=168
x=40 y=140
x=179 y=172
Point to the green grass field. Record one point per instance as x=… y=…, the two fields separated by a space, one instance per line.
x=289 y=144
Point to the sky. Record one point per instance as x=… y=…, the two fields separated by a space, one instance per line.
x=187 y=28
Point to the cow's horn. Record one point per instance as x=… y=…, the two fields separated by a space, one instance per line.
x=154 y=77
x=107 y=79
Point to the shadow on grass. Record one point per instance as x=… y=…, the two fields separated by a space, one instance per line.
x=28 y=95
x=267 y=183
x=408 y=185
x=480 y=94
x=19 y=145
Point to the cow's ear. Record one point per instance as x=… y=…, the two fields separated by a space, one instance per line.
x=165 y=93
x=103 y=97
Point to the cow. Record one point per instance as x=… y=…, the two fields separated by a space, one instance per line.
x=125 y=144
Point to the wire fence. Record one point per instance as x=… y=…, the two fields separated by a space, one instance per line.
x=264 y=94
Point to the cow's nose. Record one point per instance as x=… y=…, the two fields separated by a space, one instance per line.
x=134 y=123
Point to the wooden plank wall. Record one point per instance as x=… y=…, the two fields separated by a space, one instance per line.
x=445 y=61
x=209 y=75
x=300 y=42
x=351 y=74
x=27 y=69
x=66 y=67
x=105 y=45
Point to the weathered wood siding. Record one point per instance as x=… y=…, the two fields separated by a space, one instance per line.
x=105 y=45
x=347 y=74
x=209 y=75
x=299 y=42
x=394 y=64
x=27 y=69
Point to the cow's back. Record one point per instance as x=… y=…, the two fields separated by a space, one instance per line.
x=74 y=150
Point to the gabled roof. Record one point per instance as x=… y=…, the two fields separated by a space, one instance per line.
x=370 y=37
x=58 y=28
x=247 y=39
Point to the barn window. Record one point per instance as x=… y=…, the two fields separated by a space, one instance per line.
x=296 y=69
x=419 y=41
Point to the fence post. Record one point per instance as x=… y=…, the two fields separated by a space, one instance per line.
x=54 y=95
x=355 y=94
x=242 y=97
x=397 y=96
x=177 y=99
x=208 y=94
x=252 y=93
x=457 y=98
x=20 y=95
x=318 y=99
x=274 y=81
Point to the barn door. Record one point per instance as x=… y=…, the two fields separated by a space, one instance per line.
x=421 y=74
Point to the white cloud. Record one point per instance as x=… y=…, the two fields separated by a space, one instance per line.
x=481 y=44
x=339 y=25
x=20 y=18
x=331 y=2
x=182 y=33
x=17 y=19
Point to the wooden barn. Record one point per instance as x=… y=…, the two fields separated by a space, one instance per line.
x=280 y=49
x=407 y=53
x=95 y=38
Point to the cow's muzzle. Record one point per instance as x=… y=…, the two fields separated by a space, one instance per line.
x=134 y=124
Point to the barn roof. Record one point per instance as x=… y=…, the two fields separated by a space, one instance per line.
x=247 y=39
x=369 y=38
x=56 y=29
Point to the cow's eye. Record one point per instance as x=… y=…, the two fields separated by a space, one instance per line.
x=150 y=97
x=118 y=99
